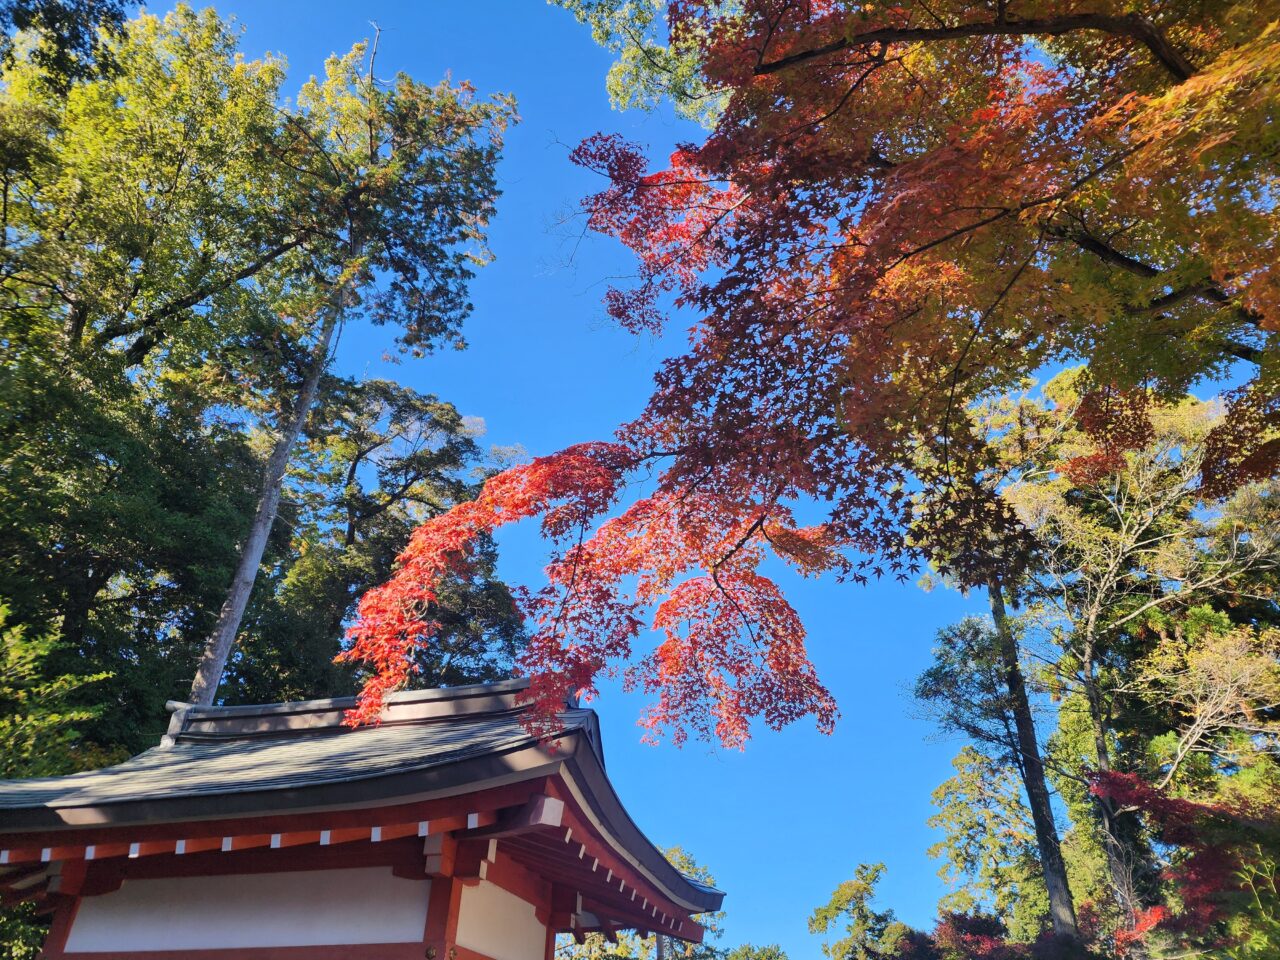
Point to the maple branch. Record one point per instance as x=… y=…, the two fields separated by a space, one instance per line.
x=572 y=585
x=1205 y=289
x=964 y=354
x=1106 y=252
x=875 y=64
x=1242 y=351
x=742 y=614
x=1057 y=197
x=756 y=525
x=1133 y=26
x=1192 y=291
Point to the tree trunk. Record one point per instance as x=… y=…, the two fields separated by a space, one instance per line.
x=221 y=642
x=82 y=590
x=1118 y=851
x=1061 y=908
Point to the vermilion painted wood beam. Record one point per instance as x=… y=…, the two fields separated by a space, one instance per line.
x=199 y=845
x=441 y=852
x=441 y=933
x=372 y=951
x=69 y=880
x=301 y=838
x=231 y=842
x=482 y=803
x=474 y=858
x=507 y=873
x=104 y=851
x=539 y=812
x=403 y=852
x=609 y=930
x=246 y=842
x=578 y=829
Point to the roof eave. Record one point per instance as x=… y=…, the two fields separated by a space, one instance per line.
x=574 y=757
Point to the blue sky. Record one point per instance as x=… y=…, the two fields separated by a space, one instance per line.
x=785 y=821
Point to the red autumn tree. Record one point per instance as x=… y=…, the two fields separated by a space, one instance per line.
x=1220 y=846
x=900 y=208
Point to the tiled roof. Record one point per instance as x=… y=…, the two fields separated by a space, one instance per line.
x=276 y=762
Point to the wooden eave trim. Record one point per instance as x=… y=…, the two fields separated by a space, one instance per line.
x=466 y=811
x=596 y=801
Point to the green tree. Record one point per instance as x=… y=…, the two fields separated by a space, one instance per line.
x=40 y=723
x=748 y=951
x=401 y=181
x=65 y=35
x=1123 y=536
x=988 y=850
x=21 y=933
x=143 y=208
x=976 y=686
x=117 y=526
x=1219 y=685
x=861 y=931
x=1069 y=757
x=170 y=236
x=140 y=211
x=175 y=243
x=1112 y=488
x=379 y=459
x=652 y=63
x=39 y=718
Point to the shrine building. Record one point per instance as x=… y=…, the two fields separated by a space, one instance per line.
x=446 y=832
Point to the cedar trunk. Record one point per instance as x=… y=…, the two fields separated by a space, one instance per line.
x=1061 y=908
x=1120 y=857
x=223 y=638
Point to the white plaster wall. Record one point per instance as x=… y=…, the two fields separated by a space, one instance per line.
x=499 y=924
x=308 y=908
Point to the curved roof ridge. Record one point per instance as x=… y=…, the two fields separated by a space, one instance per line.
x=220 y=722
x=429 y=694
